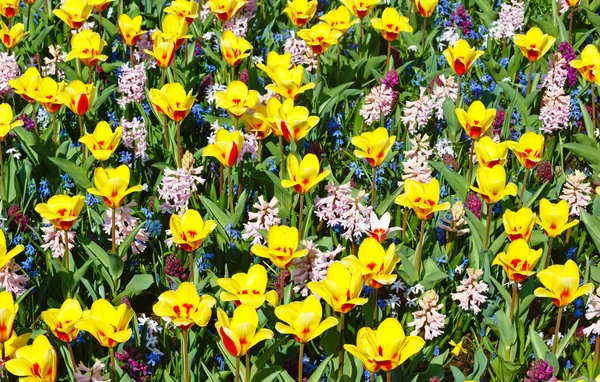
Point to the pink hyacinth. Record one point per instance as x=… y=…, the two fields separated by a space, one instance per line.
x=177 y=187
x=95 y=372
x=416 y=163
x=593 y=315
x=9 y=70
x=145 y=42
x=313 y=266
x=131 y=84
x=54 y=240
x=380 y=101
x=511 y=20
x=470 y=292
x=301 y=53
x=125 y=224
x=238 y=25
x=416 y=114
x=134 y=137
x=12 y=279
x=556 y=105
x=577 y=193
x=429 y=319
x=265 y=217
x=50 y=68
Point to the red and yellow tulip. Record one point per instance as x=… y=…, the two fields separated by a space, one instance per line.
x=77 y=96
x=561 y=284
x=248 y=288
x=130 y=29
x=300 y=12
x=61 y=210
x=11 y=36
x=554 y=218
x=303 y=319
x=340 y=289
x=374 y=263
x=184 y=307
x=391 y=24
x=36 y=362
x=529 y=149
x=113 y=185
x=374 y=146
x=103 y=142
x=490 y=153
x=518 y=225
x=237 y=99
x=108 y=325
x=282 y=246
x=422 y=198
x=239 y=333
x=304 y=175
x=492 y=184
x=234 y=49
x=227 y=147
x=534 y=44
x=476 y=120
x=519 y=261
x=61 y=322
x=190 y=230
x=461 y=57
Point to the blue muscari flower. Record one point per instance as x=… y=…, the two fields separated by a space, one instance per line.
x=29 y=250
x=125 y=157
x=308 y=365
x=476 y=89
x=79 y=339
x=43 y=188
x=568 y=365
x=277 y=37
x=220 y=361
x=147 y=214
x=504 y=62
x=440 y=235
x=91 y=200
x=436 y=351
x=382 y=303
x=367 y=375
x=235 y=234
x=154 y=358
x=31 y=189
x=497 y=209
x=593 y=340
x=147 y=108
x=17 y=239
x=443 y=191
x=357 y=170
x=210 y=68
x=366 y=290
x=67 y=182
x=516 y=116
x=154 y=228
x=27 y=265
x=261 y=81
x=571 y=252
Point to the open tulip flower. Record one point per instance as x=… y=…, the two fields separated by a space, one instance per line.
x=35 y=362
x=534 y=44
x=374 y=146
x=15 y=343
x=589 y=63
x=61 y=322
x=340 y=289
x=8 y=313
x=282 y=245
x=426 y=7
x=103 y=142
x=6 y=121
x=5 y=254
x=28 y=85
x=113 y=185
x=163 y=49
x=554 y=218
x=476 y=120
x=234 y=49
x=339 y=19
x=61 y=210
x=184 y=307
x=239 y=333
x=9 y=8
x=175 y=27
x=268 y=115
x=237 y=99
x=303 y=319
x=77 y=96
x=304 y=175
x=490 y=153
x=529 y=149
x=227 y=147
x=225 y=9
x=100 y=5
x=379 y=229
x=374 y=263
x=294 y=122
x=74 y=13
x=275 y=60
x=130 y=29
x=255 y=125
x=391 y=24
x=492 y=184
x=108 y=325
x=320 y=37
x=300 y=12
x=248 y=288
x=190 y=230
x=288 y=82
x=11 y=36
x=518 y=225
x=562 y=284
x=87 y=46
x=519 y=261
x=461 y=57
x=422 y=198
x=172 y=101
x=360 y=8
x=48 y=94
x=186 y=9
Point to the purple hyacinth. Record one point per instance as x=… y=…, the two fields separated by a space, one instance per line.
x=544 y=172
x=17 y=220
x=462 y=19
x=391 y=79
x=569 y=55
x=540 y=371
x=498 y=121
x=27 y=122
x=473 y=204
x=174 y=268
x=244 y=76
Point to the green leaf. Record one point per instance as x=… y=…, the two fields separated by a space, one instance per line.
x=592 y=224
x=126 y=244
x=73 y=171
x=454 y=179
x=565 y=340
x=319 y=371
x=136 y=285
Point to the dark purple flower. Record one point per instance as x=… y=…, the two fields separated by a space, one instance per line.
x=244 y=76
x=206 y=83
x=17 y=221
x=569 y=55
x=498 y=121
x=174 y=268
x=27 y=122
x=474 y=204
x=391 y=79
x=544 y=172
x=449 y=161
x=316 y=149
x=540 y=371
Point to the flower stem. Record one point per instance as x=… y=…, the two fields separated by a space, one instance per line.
x=247 y=367
x=529 y=78
x=221 y=179
x=4 y=371
x=300 y=361
x=594 y=105
x=420 y=248
x=318 y=70
x=300 y=217
x=179 y=144
x=596 y=352
x=547 y=261
x=55 y=130
x=488 y=223
x=166 y=132
x=260 y=151
x=515 y=297
x=233 y=73
x=185 y=345
x=114 y=231
x=423 y=33
x=389 y=376
x=570 y=24
x=404 y=222
x=282 y=169
x=66 y=238
x=523 y=188
x=237 y=369
x=240 y=177
x=4 y=196
x=230 y=183
x=281 y=286
x=72 y=355
x=28 y=27
x=360 y=38
x=556 y=329
x=375 y=310
x=470 y=163
x=458 y=93
x=191 y=259
x=83 y=147
x=389 y=54
x=113 y=368
x=373 y=182
x=341 y=353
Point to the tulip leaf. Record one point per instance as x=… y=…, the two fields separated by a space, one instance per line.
x=126 y=244
x=565 y=340
x=266 y=355
x=587 y=122
x=502 y=290
x=220 y=216
x=384 y=205
x=211 y=377
x=457 y=374
x=74 y=172
x=320 y=370
x=136 y=285
x=592 y=224
x=28 y=141
x=454 y=179
x=239 y=209
x=481 y=362
x=78 y=275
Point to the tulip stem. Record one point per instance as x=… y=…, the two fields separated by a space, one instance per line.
x=389 y=54
x=423 y=33
x=247 y=367
x=28 y=27
x=114 y=231
x=375 y=310
x=373 y=182
x=4 y=372
x=162 y=76
x=71 y=354
x=341 y=354
x=318 y=70
x=179 y=144
x=570 y=24
x=55 y=130
x=186 y=369
x=515 y=297
x=389 y=376
x=282 y=169
x=166 y=132
x=300 y=217
x=221 y=179
x=35 y=125
x=2 y=172
x=259 y=151
x=300 y=361
x=470 y=173
x=360 y=38
x=547 y=261
x=488 y=223
x=233 y=73
x=237 y=369
x=594 y=105
x=404 y=222
x=100 y=24
x=240 y=178
x=458 y=83
x=523 y=188
x=556 y=329
x=113 y=368
x=281 y=286
x=410 y=7
x=596 y=353
x=131 y=58
x=191 y=259
x=529 y=79
x=230 y=183
x=174 y=66
x=420 y=248
x=81 y=134
x=66 y=238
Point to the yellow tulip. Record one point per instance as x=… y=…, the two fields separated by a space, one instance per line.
x=255 y=125
x=391 y=24
x=561 y=284
x=360 y=8
x=74 y=13
x=108 y=325
x=490 y=153
x=6 y=121
x=320 y=37
x=62 y=321
x=48 y=94
x=476 y=120
x=518 y=225
x=274 y=60
x=461 y=57
x=225 y=9
x=8 y=311
x=300 y=11
x=9 y=8
x=175 y=27
x=573 y=3
x=163 y=49
x=5 y=254
x=529 y=149
x=227 y=147
x=373 y=146
x=268 y=114
x=36 y=362
x=282 y=246
x=28 y=85
x=248 y=288
x=237 y=99
x=589 y=62
x=100 y=5
x=534 y=44
x=492 y=184
x=294 y=122
x=172 y=100
x=239 y=333
x=340 y=289
x=15 y=343
x=234 y=49
x=61 y=210
x=184 y=307
x=554 y=218
x=112 y=185
x=304 y=175
x=11 y=36
x=87 y=46
x=385 y=348
x=519 y=261
x=185 y=9
x=103 y=141
x=339 y=19
x=130 y=29
x=77 y=96
x=190 y=230
x=288 y=82
x=375 y=264
x=422 y=198
x=303 y=319
x=426 y=7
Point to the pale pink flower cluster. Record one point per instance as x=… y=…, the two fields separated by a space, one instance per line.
x=340 y=208
x=380 y=101
x=313 y=266
x=49 y=68
x=145 y=42
x=416 y=165
x=416 y=114
x=556 y=105
x=470 y=292
x=238 y=25
x=9 y=70
x=265 y=217
x=205 y=11
x=511 y=20
x=301 y=53
x=125 y=224
x=177 y=187
x=131 y=84
x=95 y=373
x=267 y=96
x=593 y=313
x=443 y=88
x=11 y=280
x=429 y=319
x=134 y=136
x=577 y=192
x=214 y=89
x=563 y=7
x=54 y=240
